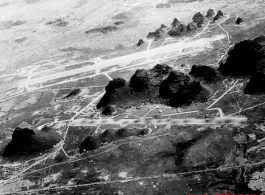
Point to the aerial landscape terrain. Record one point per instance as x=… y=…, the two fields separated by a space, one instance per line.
x=132 y=97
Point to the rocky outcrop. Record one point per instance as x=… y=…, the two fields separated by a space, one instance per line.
x=141 y=85
x=108 y=136
x=191 y=26
x=163 y=26
x=111 y=89
x=109 y=110
x=198 y=18
x=114 y=84
x=160 y=70
x=175 y=22
x=57 y=22
x=28 y=142
x=180 y=89
x=210 y=13
x=157 y=74
x=177 y=31
x=256 y=84
x=72 y=94
x=194 y=93
x=139 y=81
x=218 y=15
x=140 y=42
x=90 y=143
x=145 y=79
x=159 y=84
x=176 y=28
x=239 y=20
x=207 y=73
x=246 y=58
x=94 y=142
x=158 y=34
x=173 y=83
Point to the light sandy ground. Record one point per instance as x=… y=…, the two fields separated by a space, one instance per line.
x=177 y=49
x=43 y=43
x=43 y=46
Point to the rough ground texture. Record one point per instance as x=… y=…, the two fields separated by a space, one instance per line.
x=198 y=18
x=192 y=26
x=163 y=5
x=27 y=142
x=111 y=89
x=246 y=58
x=207 y=73
x=140 y=80
x=108 y=110
x=177 y=31
x=218 y=15
x=44 y=66
x=239 y=20
x=103 y=30
x=256 y=84
x=143 y=86
x=158 y=34
x=114 y=84
x=175 y=22
x=181 y=90
x=73 y=93
x=140 y=42
x=108 y=136
x=175 y=88
x=210 y=13
x=58 y=22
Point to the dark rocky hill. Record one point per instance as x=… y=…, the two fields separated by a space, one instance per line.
x=239 y=20
x=218 y=15
x=94 y=142
x=207 y=73
x=177 y=31
x=198 y=18
x=160 y=84
x=140 y=42
x=27 y=142
x=210 y=13
x=191 y=26
x=256 y=84
x=244 y=59
x=175 y=22
x=158 y=34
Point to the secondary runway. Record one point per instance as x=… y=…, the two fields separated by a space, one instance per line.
x=152 y=121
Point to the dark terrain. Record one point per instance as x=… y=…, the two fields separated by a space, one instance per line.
x=108 y=136
x=159 y=84
x=204 y=72
x=28 y=142
x=244 y=59
x=218 y=15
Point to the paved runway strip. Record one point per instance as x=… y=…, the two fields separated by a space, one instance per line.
x=148 y=121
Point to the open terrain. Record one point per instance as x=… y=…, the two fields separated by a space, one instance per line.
x=57 y=57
